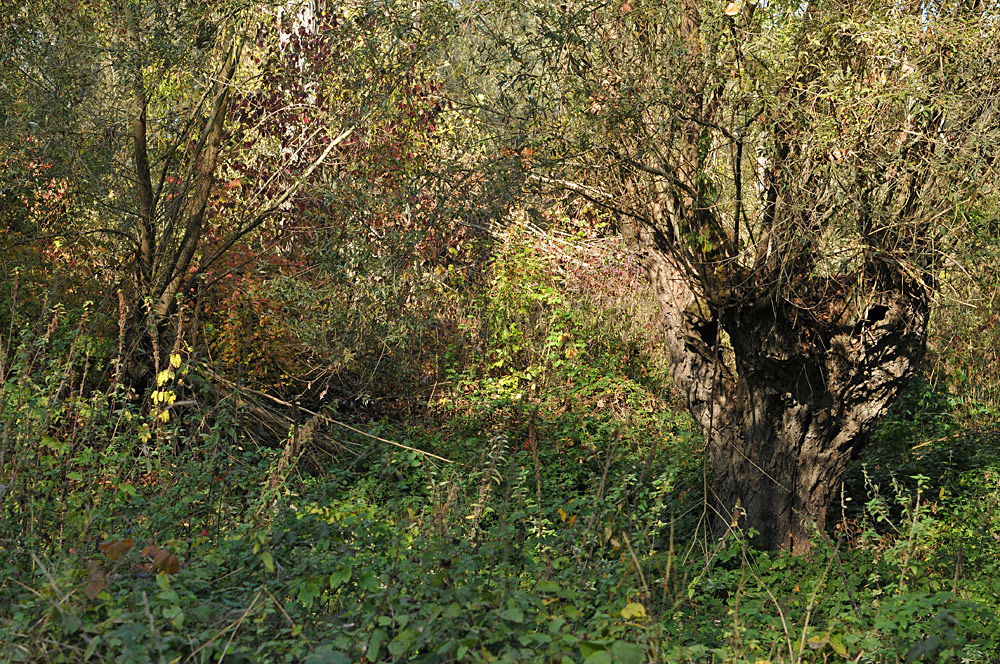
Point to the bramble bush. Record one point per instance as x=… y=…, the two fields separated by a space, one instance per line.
x=561 y=519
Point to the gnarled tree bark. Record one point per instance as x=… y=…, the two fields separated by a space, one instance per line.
x=783 y=393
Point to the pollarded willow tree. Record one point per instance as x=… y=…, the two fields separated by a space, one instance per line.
x=794 y=177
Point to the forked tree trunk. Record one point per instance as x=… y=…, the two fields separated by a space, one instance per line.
x=793 y=388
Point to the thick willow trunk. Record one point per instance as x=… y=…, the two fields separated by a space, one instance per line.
x=784 y=391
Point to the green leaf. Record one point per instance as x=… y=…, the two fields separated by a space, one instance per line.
x=309 y=591
x=71 y=624
x=512 y=613
x=91 y=647
x=176 y=615
x=368 y=582
x=588 y=648
x=627 y=653
x=327 y=655
x=340 y=577
x=379 y=636
x=268 y=561
x=403 y=642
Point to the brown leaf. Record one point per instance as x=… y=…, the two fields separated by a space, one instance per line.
x=172 y=565
x=732 y=9
x=114 y=549
x=98 y=580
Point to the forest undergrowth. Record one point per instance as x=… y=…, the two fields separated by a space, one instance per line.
x=528 y=489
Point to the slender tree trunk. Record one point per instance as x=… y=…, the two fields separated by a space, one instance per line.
x=784 y=392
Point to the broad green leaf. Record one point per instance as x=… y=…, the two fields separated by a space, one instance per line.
x=340 y=577
x=627 y=653
x=588 y=648
x=378 y=637
x=403 y=642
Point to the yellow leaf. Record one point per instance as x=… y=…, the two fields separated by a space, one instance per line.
x=732 y=9
x=817 y=641
x=562 y=514
x=633 y=610
x=838 y=646
x=175 y=360
x=164 y=415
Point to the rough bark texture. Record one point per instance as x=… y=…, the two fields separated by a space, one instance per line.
x=784 y=390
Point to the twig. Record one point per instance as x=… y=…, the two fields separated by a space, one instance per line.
x=843 y=576
x=222 y=631
x=958 y=572
x=638 y=569
x=387 y=441
x=750 y=565
x=327 y=418
x=236 y=627
x=809 y=609
x=152 y=625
